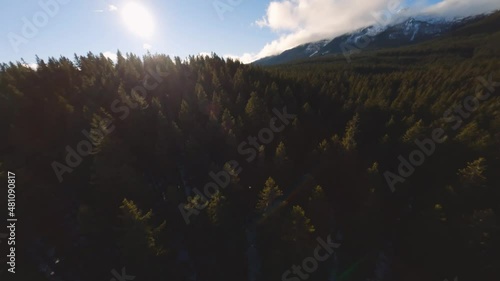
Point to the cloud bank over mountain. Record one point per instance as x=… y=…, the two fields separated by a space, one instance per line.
x=296 y=22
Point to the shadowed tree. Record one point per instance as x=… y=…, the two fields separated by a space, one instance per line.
x=268 y=195
x=474 y=172
x=349 y=141
x=280 y=154
x=255 y=109
x=139 y=241
x=300 y=226
x=216 y=209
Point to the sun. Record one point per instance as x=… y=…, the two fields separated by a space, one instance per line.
x=138 y=19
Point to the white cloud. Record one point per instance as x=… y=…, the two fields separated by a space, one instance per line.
x=33 y=66
x=245 y=58
x=146 y=46
x=110 y=55
x=296 y=22
x=462 y=8
x=301 y=21
x=111 y=8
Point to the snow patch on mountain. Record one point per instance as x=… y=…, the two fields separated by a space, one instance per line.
x=313 y=48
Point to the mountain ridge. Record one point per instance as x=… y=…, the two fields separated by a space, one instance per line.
x=405 y=31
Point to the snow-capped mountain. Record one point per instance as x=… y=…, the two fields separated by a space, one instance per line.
x=313 y=48
x=407 y=31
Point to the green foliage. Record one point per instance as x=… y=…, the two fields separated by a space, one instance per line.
x=324 y=146
x=280 y=155
x=139 y=236
x=414 y=132
x=233 y=173
x=373 y=170
x=268 y=195
x=216 y=208
x=474 y=137
x=255 y=108
x=474 y=172
x=300 y=226
x=349 y=140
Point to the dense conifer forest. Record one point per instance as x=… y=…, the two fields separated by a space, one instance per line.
x=209 y=169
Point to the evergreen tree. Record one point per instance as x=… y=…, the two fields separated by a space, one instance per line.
x=216 y=209
x=268 y=195
x=255 y=108
x=414 y=132
x=349 y=142
x=300 y=225
x=474 y=172
x=280 y=155
x=139 y=241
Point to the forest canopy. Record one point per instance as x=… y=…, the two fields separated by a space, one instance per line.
x=106 y=152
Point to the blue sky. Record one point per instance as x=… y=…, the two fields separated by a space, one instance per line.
x=248 y=29
x=182 y=27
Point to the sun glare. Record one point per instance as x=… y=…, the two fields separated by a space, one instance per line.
x=138 y=19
